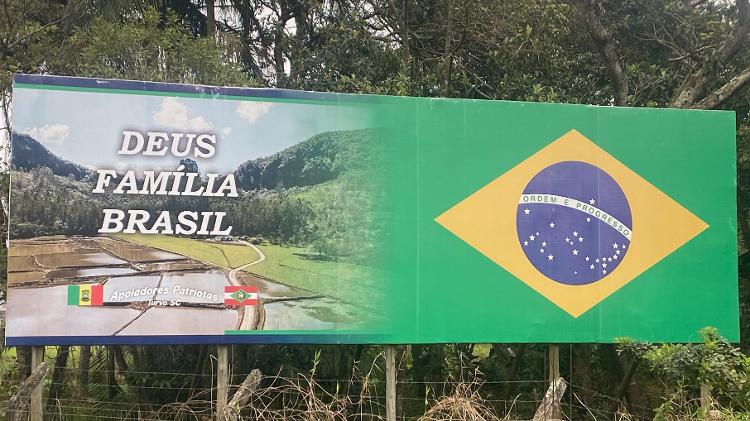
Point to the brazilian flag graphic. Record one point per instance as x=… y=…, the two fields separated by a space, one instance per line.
x=560 y=223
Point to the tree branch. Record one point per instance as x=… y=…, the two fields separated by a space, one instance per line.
x=695 y=85
x=719 y=96
x=606 y=47
x=733 y=45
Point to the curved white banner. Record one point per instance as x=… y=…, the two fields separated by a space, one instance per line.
x=568 y=202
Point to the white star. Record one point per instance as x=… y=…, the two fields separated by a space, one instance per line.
x=541 y=250
x=537 y=233
x=575 y=233
x=604 y=265
x=580 y=239
x=531 y=237
x=604 y=271
x=609 y=259
x=551 y=224
x=544 y=244
x=588 y=219
x=575 y=252
x=623 y=246
x=575 y=272
x=592 y=201
x=550 y=257
x=618 y=252
x=525 y=243
x=615 y=245
x=587 y=258
x=526 y=211
x=591 y=267
x=567 y=239
x=597 y=260
x=615 y=257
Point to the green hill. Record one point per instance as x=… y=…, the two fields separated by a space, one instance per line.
x=319 y=159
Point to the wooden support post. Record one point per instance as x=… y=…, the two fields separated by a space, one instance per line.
x=36 y=409
x=222 y=380
x=390 y=383
x=553 y=362
x=554 y=374
x=707 y=402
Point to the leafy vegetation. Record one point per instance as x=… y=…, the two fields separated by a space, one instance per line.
x=683 y=369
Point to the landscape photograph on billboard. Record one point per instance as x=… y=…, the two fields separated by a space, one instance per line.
x=145 y=215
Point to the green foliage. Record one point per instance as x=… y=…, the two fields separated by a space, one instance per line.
x=152 y=47
x=683 y=368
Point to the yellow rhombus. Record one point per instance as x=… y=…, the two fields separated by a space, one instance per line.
x=486 y=220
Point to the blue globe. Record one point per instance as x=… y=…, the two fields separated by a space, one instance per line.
x=574 y=223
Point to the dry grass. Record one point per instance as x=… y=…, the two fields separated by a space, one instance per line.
x=464 y=404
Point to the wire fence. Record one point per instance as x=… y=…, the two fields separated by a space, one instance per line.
x=112 y=388
x=306 y=398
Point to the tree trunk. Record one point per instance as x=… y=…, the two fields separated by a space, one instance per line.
x=122 y=365
x=278 y=43
x=112 y=386
x=58 y=376
x=515 y=368
x=210 y=19
x=448 y=50
x=83 y=375
x=196 y=381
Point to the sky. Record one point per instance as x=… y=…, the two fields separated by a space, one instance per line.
x=86 y=128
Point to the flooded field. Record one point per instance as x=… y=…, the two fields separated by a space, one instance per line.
x=133 y=252
x=194 y=287
x=77 y=260
x=18 y=277
x=22 y=264
x=147 y=291
x=88 y=272
x=167 y=321
x=176 y=265
x=58 y=318
x=32 y=249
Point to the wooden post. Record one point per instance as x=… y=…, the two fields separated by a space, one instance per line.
x=390 y=383
x=706 y=401
x=222 y=380
x=36 y=404
x=554 y=373
x=17 y=403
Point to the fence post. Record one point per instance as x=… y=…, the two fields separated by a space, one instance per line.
x=36 y=405
x=554 y=373
x=390 y=383
x=222 y=380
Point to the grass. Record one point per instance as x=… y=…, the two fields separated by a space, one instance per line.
x=227 y=256
x=295 y=266
x=299 y=267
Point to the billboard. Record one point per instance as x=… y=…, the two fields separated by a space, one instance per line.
x=152 y=213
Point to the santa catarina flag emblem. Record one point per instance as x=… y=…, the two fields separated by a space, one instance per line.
x=573 y=223
x=240 y=296
x=86 y=295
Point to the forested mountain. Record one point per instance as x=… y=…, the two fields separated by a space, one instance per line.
x=313 y=193
x=321 y=158
x=27 y=153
